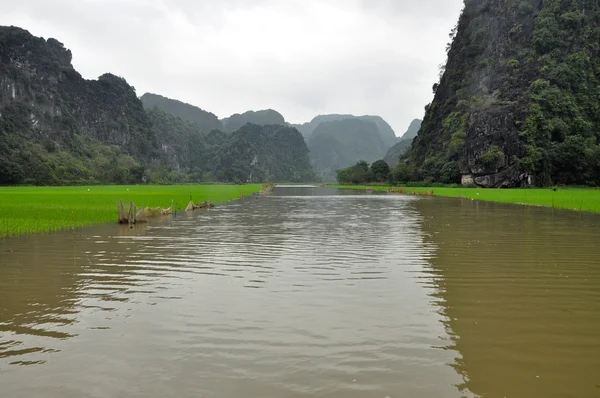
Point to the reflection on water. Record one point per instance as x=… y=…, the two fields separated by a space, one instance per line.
x=304 y=294
x=521 y=295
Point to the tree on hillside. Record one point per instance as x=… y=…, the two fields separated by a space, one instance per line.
x=360 y=173
x=381 y=171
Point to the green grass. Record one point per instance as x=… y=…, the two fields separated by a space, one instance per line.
x=587 y=200
x=26 y=210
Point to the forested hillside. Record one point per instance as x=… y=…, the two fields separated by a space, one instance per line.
x=387 y=134
x=206 y=121
x=338 y=144
x=257 y=153
x=58 y=128
x=262 y=118
x=519 y=102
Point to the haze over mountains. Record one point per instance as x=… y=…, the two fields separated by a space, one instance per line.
x=403 y=145
x=262 y=117
x=385 y=130
x=205 y=120
x=58 y=128
x=338 y=144
x=335 y=141
x=516 y=104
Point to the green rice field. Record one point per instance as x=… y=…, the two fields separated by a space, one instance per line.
x=586 y=200
x=25 y=210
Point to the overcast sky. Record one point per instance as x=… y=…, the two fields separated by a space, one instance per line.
x=300 y=57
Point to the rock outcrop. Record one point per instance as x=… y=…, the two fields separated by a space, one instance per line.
x=257 y=153
x=517 y=103
x=58 y=128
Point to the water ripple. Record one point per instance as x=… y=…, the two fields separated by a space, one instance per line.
x=289 y=295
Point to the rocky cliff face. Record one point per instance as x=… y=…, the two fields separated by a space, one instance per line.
x=252 y=153
x=58 y=128
x=181 y=143
x=257 y=153
x=518 y=99
x=38 y=78
x=50 y=113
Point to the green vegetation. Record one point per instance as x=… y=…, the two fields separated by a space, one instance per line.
x=386 y=133
x=57 y=128
x=381 y=171
x=339 y=140
x=206 y=121
x=341 y=143
x=517 y=105
x=562 y=131
x=587 y=200
x=271 y=153
x=361 y=173
x=25 y=210
x=262 y=118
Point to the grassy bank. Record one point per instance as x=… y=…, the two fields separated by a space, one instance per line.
x=25 y=210
x=587 y=200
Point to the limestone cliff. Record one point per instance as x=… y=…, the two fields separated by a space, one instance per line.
x=52 y=121
x=518 y=101
x=59 y=128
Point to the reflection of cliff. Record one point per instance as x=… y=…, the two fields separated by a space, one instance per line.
x=520 y=288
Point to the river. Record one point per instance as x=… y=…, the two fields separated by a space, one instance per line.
x=309 y=292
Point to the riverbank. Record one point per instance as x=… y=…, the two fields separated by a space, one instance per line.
x=26 y=210
x=585 y=200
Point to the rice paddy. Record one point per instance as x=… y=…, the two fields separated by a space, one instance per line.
x=26 y=210
x=584 y=200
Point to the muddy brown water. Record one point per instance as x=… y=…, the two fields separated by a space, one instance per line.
x=308 y=293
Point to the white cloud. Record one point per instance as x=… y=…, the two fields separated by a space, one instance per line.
x=300 y=57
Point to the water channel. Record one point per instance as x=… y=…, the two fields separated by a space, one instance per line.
x=309 y=292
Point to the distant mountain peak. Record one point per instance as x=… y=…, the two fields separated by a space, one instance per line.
x=413 y=130
x=337 y=144
x=59 y=128
x=386 y=132
x=401 y=147
x=261 y=117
